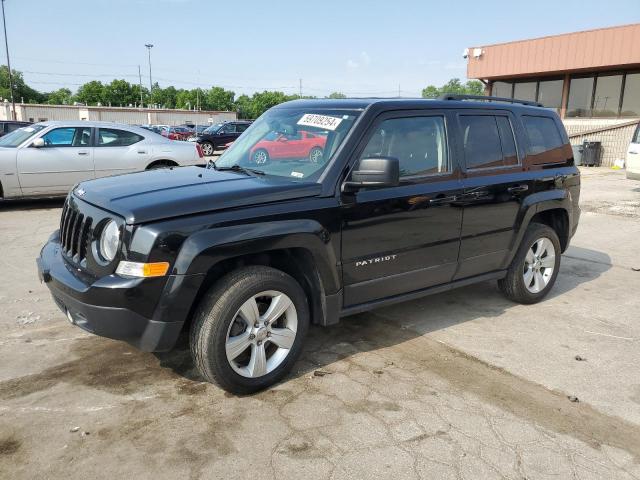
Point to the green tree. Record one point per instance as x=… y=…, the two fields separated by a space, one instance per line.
x=244 y=107
x=91 y=93
x=165 y=97
x=120 y=93
x=454 y=86
x=21 y=91
x=217 y=98
x=337 y=95
x=265 y=100
x=62 y=96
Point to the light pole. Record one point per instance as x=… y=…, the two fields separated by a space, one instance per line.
x=6 y=45
x=149 y=47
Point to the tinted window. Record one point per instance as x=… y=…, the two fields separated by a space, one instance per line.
x=607 y=98
x=525 y=91
x=110 y=137
x=68 y=137
x=10 y=127
x=241 y=127
x=542 y=134
x=482 y=148
x=550 y=93
x=631 y=99
x=507 y=141
x=580 y=91
x=501 y=89
x=419 y=143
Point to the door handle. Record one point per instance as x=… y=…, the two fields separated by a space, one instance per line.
x=142 y=151
x=633 y=153
x=83 y=152
x=518 y=189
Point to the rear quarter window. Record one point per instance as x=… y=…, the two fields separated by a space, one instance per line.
x=542 y=134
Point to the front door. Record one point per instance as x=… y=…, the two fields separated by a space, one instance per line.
x=402 y=239
x=65 y=159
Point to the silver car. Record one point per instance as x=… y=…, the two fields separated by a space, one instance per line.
x=48 y=158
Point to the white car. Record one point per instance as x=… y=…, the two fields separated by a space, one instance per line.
x=48 y=158
x=633 y=156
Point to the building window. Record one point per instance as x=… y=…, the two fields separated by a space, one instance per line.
x=550 y=93
x=580 y=94
x=501 y=89
x=607 y=97
x=525 y=91
x=631 y=98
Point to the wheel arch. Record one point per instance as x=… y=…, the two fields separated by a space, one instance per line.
x=162 y=161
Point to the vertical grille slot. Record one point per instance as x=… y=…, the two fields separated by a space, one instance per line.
x=75 y=232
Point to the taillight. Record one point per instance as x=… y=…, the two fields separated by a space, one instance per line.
x=199 y=150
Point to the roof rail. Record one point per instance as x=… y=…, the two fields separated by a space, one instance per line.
x=452 y=96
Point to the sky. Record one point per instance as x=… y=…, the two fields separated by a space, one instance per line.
x=358 y=47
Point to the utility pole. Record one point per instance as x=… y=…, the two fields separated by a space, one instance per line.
x=300 y=88
x=6 y=45
x=149 y=47
x=399 y=95
x=140 y=79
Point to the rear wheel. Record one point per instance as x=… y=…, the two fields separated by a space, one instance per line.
x=315 y=155
x=260 y=157
x=207 y=148
x=534 y=268
x=249 y=329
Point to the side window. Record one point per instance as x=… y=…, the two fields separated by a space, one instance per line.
x=542 y=133
x=419 y=143
x=110 y=137
x=241 y=127
x=507 y=140
x=13 y=126
x=68 y=137
x=481 y=140
x=228 y=128
x=636 y=136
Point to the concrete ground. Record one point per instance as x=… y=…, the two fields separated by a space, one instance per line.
x=459 y=385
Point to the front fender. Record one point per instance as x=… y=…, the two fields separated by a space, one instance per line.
x=204 y=249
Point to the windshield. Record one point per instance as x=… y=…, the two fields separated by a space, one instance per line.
x=293 y=143
x=213 y=128
x=15 y=138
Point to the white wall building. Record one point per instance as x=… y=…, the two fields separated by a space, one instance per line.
x=140 y=116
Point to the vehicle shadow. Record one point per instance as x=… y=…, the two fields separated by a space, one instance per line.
x=393 y=325
x=32 y=204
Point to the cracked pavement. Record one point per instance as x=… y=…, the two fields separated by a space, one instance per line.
x=462 y=385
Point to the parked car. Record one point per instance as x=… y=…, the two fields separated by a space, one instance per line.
x=414 y=197
x=632 y=163
x=48 y=158
x=197 y=130
x=176 y=133
x=218 y=135
x=282 y=146
x=9 y=126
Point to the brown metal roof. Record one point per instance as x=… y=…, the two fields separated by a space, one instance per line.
x=604 y=48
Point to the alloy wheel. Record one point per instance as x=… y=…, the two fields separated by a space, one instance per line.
x=539 y=264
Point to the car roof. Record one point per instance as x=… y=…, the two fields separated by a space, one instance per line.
x=405 y=104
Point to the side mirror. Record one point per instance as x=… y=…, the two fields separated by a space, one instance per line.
x=374 y=173
x=38 y=143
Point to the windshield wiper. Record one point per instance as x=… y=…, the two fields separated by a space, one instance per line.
x=238 y=168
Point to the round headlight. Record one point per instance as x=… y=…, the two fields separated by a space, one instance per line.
x=109 y=241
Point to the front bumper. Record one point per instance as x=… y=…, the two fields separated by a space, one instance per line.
x=107 y=306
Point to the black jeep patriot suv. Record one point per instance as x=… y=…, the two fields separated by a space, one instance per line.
x=409 y=198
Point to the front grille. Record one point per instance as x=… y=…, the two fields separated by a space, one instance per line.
x=75 y=230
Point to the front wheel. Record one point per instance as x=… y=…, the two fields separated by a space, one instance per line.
x=534 y=268
x=207 y=148
x=249 y=329
x=260 y=157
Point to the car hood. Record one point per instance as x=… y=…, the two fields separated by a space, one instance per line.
x=165 y=193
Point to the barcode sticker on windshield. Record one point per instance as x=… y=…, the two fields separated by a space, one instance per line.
x=321 y=121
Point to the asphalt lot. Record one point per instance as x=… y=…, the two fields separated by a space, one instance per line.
x=460 y=385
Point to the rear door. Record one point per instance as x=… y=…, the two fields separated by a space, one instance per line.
x=65 y=159
x=402 y=239
x=494 y=187
x=119 y=151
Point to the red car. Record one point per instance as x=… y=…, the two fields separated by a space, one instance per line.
x=277 y=146
x=176 y=133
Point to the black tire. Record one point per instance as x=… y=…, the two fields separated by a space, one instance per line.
x=313 y=158
x=207 y=147
x=161 y=164
x=260 y=157
x=218 y=310
x=513 y=285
